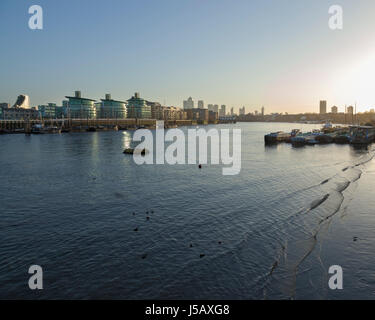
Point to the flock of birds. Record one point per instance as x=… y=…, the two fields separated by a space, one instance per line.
x=144 y=256
x=148 y=218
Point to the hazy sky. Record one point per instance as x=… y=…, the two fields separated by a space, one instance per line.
x=276 y=53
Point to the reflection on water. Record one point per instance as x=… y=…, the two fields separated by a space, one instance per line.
x=127 y=139
x=72 y=203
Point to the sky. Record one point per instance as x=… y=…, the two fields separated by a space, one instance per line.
x=274 y=53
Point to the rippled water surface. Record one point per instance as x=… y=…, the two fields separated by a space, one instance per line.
x=71 y=203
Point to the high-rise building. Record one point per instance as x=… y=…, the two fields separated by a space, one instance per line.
x=232 y=111
x=200 y=104
x=263 y=111
x=223 y=111
x=189 y=103
x=350 y=110
x=323 y=107
x=334 y=110
x=242 y=111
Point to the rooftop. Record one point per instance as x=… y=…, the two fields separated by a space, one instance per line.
x=79 y=98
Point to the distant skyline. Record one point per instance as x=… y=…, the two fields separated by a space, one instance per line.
x=271 y=53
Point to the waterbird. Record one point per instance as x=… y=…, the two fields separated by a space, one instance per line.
x=148 y=218
x=202 y=256
x=136 y=229
x=144 y=256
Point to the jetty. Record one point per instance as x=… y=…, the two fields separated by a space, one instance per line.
x=356 y=135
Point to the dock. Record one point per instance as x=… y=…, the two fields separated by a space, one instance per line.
x=355 y=135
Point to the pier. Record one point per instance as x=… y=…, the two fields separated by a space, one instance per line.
x=356 y=135
x=24 y=126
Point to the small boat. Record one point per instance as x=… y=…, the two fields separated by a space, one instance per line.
x=324 y=138
x=41 y=129
x=37 y=129
x=341 y=138
x=276 y=137
x=298 y=140
x=294 y=133
x=362 y=135
x=328 y=127
x=311 y=140
x=304 y=138
x=52 y=129
x=134 y=151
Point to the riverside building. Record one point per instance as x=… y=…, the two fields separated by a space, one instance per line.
x=111 y=109
x=138 y=108
x=80 y=108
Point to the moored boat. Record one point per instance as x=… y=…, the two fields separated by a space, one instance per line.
x=362 y=134
x=135 y=151
x=276 y=137
x=324 y=138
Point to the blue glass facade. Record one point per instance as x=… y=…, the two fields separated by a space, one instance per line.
x=81 y=108
x=138 y=108
x=111 y=109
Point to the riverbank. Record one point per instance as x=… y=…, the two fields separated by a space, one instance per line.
x=83 y=125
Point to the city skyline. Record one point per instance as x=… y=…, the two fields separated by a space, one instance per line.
x=236 y=53
x=322 y=108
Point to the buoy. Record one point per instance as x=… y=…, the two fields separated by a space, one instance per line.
x=148 y=218
x=136 y=229
x=200 y=166
x=144 y=256
x=191 y=245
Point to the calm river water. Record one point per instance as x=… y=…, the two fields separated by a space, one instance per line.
x=71 y=203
